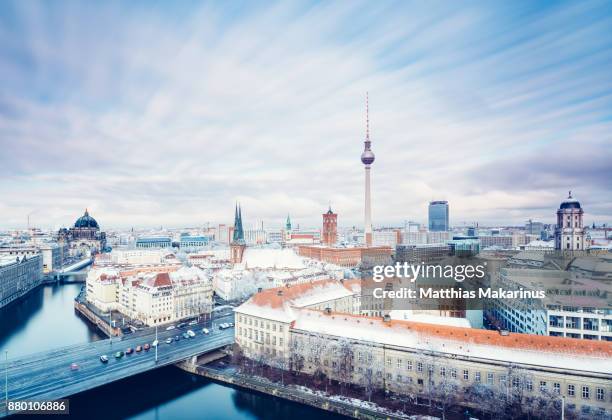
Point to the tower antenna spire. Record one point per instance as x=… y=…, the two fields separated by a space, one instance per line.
x=367 y=117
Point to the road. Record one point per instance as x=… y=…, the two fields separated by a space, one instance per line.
x=47 y=375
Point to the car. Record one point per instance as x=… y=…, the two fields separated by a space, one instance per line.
x=177 y=338
x=231 y=324
x=169 y=340
x=181 y=325
x=104 y=358
x=129 y=350
x=190 y=333
x=185 y=335
x=154 y=343
x=74 y=366
x=194 y=322
x=205 y=330
x=171 y=327
x=119 y=355
x=138 y=349
x=147 y=347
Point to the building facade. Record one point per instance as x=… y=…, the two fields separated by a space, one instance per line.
x=570 y=232
x=438 y=216
x=438 y=362
x=18 y=276
x=84 y=238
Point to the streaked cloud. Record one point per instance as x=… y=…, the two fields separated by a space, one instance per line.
x=167 y=114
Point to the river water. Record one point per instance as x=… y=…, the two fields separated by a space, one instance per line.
x=45 y=319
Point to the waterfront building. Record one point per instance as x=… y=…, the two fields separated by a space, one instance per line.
x=329 y=235
x=410 y=358
x=152 y=297
x=438 y=216
x=18 y=276
x=150 y=242
x=570 y=231
x=84 y=238
x=52 y=254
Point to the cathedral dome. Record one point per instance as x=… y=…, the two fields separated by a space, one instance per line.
x=86 y=221
x=570 y=203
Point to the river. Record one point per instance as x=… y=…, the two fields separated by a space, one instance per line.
x=45 y=319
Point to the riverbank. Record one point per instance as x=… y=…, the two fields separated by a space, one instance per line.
x=334 y=404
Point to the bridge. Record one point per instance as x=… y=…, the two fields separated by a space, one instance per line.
x=48 y=375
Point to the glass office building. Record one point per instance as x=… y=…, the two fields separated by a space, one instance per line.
x=438 y=216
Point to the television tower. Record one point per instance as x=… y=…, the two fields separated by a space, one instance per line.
x=367 y=158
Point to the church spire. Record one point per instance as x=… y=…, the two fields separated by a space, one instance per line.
x=288 y=223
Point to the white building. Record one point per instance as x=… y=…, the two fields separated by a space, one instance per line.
x=278 y=327
x=570 y=232
x=152 y=297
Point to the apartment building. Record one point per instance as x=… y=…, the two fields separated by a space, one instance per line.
x=411 y=358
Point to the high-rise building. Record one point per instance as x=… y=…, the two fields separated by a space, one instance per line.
x=570 y=234
x=438 y=216
x=330 y=228
x=367 y=158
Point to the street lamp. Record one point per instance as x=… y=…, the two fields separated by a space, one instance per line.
x=562 y=407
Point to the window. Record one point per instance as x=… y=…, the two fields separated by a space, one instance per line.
x=542 y=386
x=389 y=376
x=515 y=382
x=419 y=367
x=585 y=392
x=466 y=374
x=280 y=341
x=399 y=363
x=490 y=378
x=442 y=371
x=360 y=356
x=477 y=376
x=529 y=385
x=389 y=361
x=601 y=396
x=557 y=388
x=399 y=378
x=571 y=390
x=454 y=373
x=408 y=364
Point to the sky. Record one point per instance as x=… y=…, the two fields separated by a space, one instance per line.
x=167 y=113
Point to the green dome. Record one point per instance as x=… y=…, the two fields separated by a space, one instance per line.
x=86 y=221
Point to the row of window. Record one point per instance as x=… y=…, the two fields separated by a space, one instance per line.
x=260 y=323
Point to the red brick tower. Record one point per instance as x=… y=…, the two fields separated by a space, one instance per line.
x=330 y=228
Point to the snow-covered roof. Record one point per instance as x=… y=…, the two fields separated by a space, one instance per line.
x=552 y=352
x=269 y=257
x=408 y=315
x=277 y=303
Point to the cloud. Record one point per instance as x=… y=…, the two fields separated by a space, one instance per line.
x=167 y=115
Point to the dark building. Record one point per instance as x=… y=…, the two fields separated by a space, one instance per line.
x=416 y=254
x=84 y=237
x=438 y=216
